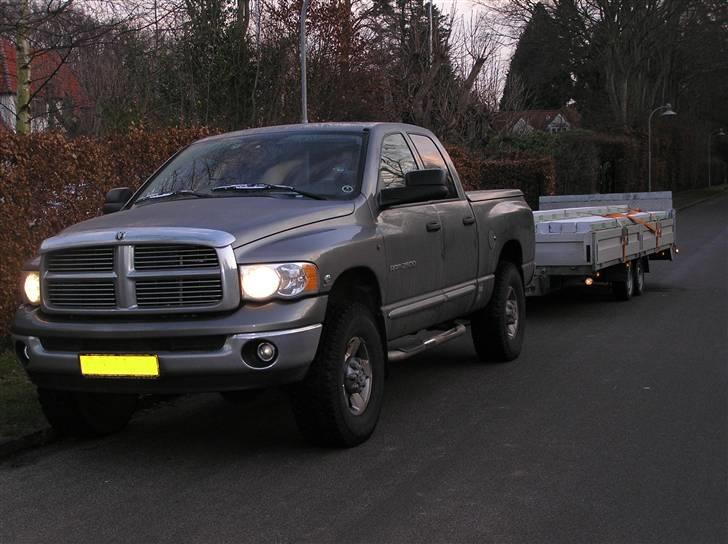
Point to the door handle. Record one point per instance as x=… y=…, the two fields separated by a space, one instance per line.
x=433 y=226
x=468 y=220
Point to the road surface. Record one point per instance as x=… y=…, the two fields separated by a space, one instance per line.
x=611 y=427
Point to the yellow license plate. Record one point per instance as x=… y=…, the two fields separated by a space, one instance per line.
x=120 y=366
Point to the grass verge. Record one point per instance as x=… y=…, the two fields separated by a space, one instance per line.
x=20 y=412
x=685 y=199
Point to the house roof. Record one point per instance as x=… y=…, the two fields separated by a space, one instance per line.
x=538 y=119
x=48 y=72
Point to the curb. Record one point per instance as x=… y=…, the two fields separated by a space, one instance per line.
x=12 y=446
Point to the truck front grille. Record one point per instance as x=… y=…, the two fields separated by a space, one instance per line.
x=97 y=294
x=136 y=278
x=84 y=259
x=178 y=292
x=159 y=257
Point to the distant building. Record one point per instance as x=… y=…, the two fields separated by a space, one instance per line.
x=59 y=98
x=527 y=121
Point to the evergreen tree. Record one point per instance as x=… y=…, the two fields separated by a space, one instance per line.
x=539 y=76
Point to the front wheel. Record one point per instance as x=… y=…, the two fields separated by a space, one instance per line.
x=86 y=414
x=339 y=401
x=498 y=329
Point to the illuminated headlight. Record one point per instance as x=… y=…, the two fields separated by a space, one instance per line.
x=285 y=280
x=31 y=287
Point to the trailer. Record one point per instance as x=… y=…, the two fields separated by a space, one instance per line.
x=602 y=239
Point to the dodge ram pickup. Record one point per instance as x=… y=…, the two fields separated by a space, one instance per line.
x=310 y=256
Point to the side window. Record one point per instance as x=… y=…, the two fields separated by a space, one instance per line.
x=432 y=158
x=397 y=160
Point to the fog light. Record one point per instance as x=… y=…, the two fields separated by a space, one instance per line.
x=589 y=281
x=266 y=352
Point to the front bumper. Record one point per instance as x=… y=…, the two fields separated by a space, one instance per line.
x=181 y=370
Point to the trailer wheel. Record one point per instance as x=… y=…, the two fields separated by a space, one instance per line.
x=339 y=401
x=498 y=329
x=623 y=290
x=638 y=271
x=86 y=414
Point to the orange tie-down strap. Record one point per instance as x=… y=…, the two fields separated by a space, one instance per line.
x=630 y=214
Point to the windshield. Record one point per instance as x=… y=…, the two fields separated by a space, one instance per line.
x=296 y=165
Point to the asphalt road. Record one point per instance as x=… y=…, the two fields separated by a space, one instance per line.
x=611 y=427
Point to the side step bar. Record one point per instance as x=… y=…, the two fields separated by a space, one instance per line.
x=440 y=337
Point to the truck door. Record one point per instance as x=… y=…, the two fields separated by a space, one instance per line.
x=412 y=238
x=459 y=236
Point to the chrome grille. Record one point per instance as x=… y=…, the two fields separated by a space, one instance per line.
x=168 y=257
x=98 y=294
x=85 y=259
x=141 y=277
x=178 y=292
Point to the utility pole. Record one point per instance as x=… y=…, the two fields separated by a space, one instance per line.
x=430 y=33
x=667 y=111
x=304 y=90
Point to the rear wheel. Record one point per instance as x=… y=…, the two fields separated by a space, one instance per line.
x=638 y=271
x=86 y=414
x=339 y=401
x=498 y=329
x=624 y=289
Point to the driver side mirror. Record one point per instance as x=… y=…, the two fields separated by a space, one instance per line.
x=420 y=186
x=116 y=198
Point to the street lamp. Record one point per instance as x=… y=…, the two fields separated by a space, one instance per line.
x=666 y=111
x=304 y=90
x=720 y=134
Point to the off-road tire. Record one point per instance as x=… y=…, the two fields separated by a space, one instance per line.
x=320 y=403
x=638 y=277
x=86 y=414
x=623 y=290
x=489 y=326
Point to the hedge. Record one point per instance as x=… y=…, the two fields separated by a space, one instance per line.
x=48 y=182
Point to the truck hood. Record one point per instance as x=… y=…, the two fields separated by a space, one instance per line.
x=246 y=218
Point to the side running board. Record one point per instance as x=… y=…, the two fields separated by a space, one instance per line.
x=437 y=338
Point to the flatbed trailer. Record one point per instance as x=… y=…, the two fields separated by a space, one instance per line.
x=602 y=238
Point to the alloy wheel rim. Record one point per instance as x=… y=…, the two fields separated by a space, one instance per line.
x=357 y=387
x=511 y=312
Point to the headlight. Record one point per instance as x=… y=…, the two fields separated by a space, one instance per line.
x=286 y=280
x=31 y=287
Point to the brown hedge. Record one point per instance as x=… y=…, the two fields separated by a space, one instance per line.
x=48 y=182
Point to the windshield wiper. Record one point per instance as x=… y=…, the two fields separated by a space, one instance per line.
x=266 y=187
x=181 y=192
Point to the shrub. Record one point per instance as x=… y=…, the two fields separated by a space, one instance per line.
x=48 y=182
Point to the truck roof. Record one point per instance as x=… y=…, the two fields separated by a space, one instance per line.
x=338 y=127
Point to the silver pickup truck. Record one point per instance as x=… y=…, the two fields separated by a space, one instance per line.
x=309 y=256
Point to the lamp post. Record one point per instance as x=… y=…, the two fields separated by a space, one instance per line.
x=304 y=90
x=666 y=111
x=720 y=133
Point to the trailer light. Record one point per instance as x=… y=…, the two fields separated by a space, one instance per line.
x=677 y=250
x=589 y=281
